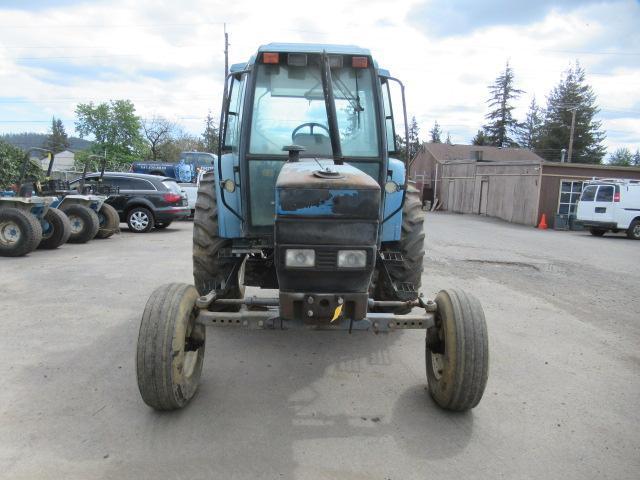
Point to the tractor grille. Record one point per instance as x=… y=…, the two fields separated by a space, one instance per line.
x=326 y=258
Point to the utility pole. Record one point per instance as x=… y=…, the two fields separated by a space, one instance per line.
x=573 y=126
x=226 y=51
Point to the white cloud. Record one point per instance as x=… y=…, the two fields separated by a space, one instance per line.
x=169 y=59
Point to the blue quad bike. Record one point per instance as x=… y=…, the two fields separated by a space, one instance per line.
x=306 y=198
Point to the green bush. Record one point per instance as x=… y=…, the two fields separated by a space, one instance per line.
x=11 y=159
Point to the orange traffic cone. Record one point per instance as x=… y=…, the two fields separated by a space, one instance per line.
x=543 y=222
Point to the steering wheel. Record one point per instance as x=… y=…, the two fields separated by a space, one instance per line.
x=310 y=125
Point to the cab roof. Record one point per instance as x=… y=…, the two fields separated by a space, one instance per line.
x=307 y=48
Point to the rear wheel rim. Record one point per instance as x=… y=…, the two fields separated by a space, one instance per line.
x=77 y=224
x=9 y=233
x=139 y=220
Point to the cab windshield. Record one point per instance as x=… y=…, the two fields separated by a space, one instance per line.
x=289 y=108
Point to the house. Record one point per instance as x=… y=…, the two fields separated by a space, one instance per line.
x=513 y=184
x=63 y=161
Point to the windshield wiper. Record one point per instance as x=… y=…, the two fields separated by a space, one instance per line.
x=330 y=105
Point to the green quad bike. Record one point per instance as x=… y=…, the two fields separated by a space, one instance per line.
x=306 y=198
x=90 y=217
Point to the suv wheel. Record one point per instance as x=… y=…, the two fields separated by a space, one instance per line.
x=140 y=220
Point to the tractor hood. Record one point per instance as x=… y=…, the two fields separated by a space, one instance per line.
x=343 y=191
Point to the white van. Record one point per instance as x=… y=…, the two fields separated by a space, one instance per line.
x=611 y=205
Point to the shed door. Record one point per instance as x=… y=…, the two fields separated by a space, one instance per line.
x=451 y=195
x=484 y=193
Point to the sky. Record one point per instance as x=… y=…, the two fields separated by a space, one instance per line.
x=167 y=56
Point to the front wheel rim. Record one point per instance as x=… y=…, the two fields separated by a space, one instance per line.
x=636 y=231
x=139 y=220
x=77 y=224
x=9 y=233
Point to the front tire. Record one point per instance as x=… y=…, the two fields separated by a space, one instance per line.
x=170 y=348
x=20 y=232
x=457 y=351
x=84 y=223
x=210 y=269
x=140 y=220
x=58 y=229
x=109 y=221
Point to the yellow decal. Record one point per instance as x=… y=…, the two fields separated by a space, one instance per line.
x=337 y=313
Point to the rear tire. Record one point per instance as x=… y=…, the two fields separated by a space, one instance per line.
x=109 y=221
x=84 y=223
x=209 y=269
x=597 y=232
x=59 y=229
x=140 y=220
x=411 y=245
x=633 y=232
x=20 y=232
x=457 y=351
x=170 y=348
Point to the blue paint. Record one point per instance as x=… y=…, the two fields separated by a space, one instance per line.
x=229 y=226
x=392 y=228
x=324 y=209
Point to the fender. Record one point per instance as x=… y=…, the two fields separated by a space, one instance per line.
x=392 y=228
x=229 y=226
x=136 y=202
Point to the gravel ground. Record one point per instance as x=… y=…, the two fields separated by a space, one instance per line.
x=563 y=398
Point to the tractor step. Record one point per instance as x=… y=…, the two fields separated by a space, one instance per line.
x=391 y=257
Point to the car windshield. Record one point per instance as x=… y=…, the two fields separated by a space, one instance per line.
x=289 y=109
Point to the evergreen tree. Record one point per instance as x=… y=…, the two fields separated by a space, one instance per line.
x=414 y=140
x=531 y=132
x=436 y=133
x=57 y=141
x=448 y=139
x=480 y=139
x=636 y=158
x=621 y=157
x=210 y=134
x=573 y=93
x=501 y=126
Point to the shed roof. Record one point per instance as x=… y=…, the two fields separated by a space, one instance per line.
x=443 y=152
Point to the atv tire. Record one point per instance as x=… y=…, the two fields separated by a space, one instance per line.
x=84 y=223
x=58 y=231
x=109 y=221
x=20 y=232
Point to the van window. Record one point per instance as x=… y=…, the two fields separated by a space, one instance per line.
x=605 y=194
x=589 y=194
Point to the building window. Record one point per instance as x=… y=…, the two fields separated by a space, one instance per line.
x=570 y=191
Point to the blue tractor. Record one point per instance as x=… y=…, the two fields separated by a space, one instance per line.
x=306 y=198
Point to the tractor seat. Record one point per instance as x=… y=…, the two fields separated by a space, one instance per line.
x=314 y=144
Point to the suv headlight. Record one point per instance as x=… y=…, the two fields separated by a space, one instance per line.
x=352 y=258
x=300 y=258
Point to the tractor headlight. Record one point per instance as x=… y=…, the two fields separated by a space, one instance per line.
x=300 y=258
x=352 y=258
